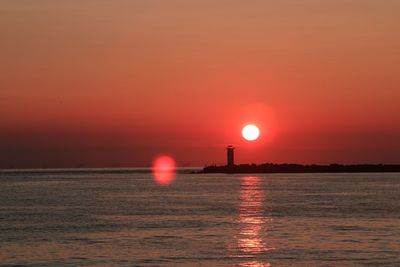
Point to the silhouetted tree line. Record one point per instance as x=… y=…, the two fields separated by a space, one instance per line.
x=298 y=168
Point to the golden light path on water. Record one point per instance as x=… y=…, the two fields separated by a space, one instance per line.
x=253 y=223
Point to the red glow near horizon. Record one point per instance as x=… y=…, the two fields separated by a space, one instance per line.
x=164 y=170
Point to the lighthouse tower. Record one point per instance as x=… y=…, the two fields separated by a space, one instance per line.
x=230 y=162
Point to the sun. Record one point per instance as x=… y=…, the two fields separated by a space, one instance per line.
x=250 y=132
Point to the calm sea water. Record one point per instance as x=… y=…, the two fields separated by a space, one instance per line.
x=107 y=218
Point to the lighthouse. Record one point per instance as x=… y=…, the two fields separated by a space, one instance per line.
x=230 y=162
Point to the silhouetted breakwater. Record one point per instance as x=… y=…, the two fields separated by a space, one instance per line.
x=298 y=168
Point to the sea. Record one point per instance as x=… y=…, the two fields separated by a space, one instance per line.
x=121 y=217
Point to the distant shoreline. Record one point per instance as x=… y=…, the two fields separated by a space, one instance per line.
x=241 y=168
x=299 y=168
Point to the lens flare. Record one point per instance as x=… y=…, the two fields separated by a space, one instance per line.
x=164 y=170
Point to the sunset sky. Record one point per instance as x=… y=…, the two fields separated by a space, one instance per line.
x=114 y=83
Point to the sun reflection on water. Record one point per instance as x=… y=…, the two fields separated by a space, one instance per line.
x=253 y=223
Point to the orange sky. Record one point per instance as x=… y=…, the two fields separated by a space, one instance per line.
x=108 y=83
